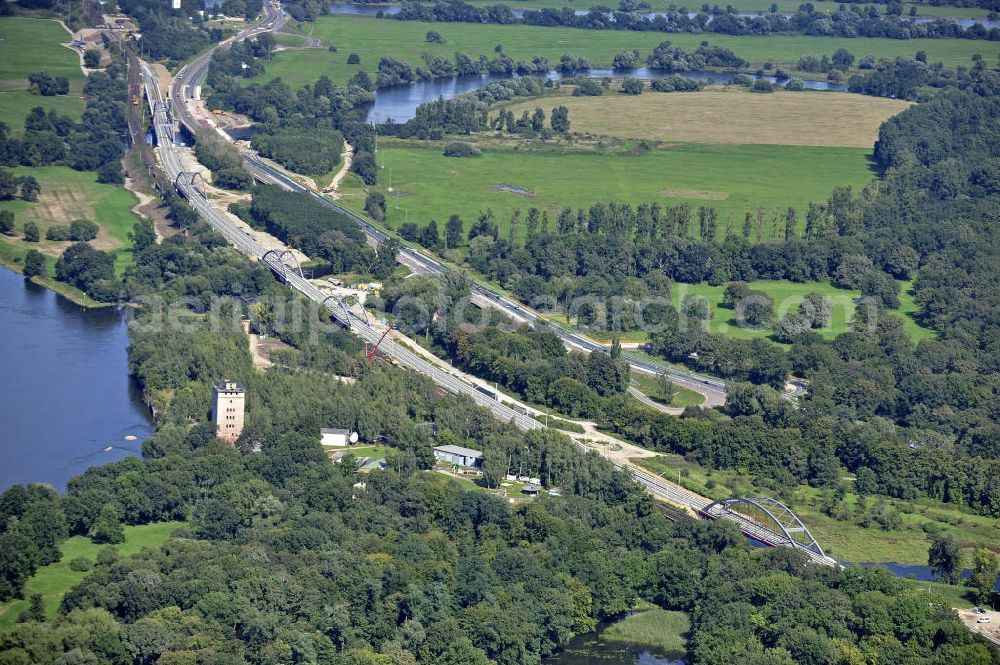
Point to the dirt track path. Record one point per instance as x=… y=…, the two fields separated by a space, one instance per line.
x=348 y=159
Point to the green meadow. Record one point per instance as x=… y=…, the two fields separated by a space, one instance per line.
x=372 y=38
x=658 y=629
x=32 y=45
x=787 y=296
x=67 y=195
x=732 y=178
x=54 y=580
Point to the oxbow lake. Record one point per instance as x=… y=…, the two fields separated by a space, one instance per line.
x=66 y=395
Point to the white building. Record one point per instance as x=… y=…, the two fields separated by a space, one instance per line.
x=337 y=437
x=459 y=455
x=227 y=409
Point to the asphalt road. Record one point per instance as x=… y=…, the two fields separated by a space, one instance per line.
x=182 y=89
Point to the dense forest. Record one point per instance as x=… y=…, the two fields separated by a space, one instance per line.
x=287 y=558
x=914 y=419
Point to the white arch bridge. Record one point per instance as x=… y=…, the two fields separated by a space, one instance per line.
x=768 y=521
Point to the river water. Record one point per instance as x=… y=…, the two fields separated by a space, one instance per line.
x=65 y=395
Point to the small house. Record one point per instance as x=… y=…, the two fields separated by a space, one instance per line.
x=531 y=490
x=459 y=455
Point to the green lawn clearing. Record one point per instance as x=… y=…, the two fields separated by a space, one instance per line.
x=30 y=45
x=649 y=385
x=54 y=580
x=732 y=178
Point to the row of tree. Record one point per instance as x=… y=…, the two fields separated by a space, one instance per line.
x=854 y=21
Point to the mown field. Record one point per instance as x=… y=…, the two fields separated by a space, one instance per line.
x=31 y=45
x=733 y=178
x=845 y=540
x=728 y=114
x=68 y=195
x=372 y=38
x=54 y=580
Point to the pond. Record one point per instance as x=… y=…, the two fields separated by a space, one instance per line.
x=66 y=399
x=593 y=649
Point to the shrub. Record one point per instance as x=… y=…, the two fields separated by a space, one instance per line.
x=92 y=58
x=80 y=564
x=794 y=84
x=83 y=229
x=589 y=88
x=632 y=87
x=743 y=80
x=34 y=263
x=31 y=233
x=57 y=233
x=354 y=59
x=433 y=37
x=6 y=222
x=762 y=85
x=461 y=149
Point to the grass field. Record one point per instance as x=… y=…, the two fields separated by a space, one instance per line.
x=786 y=297
x=68 y=195
x=661 y=630
x=372 y=38
x=728 y=115
x=844 y=540
x=31 y=45
x=732 y=178
x=54 y=580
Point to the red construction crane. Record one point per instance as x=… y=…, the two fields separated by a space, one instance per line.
x=370 y=353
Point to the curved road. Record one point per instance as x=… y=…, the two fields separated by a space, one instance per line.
x=181 y=90
x=164 y=127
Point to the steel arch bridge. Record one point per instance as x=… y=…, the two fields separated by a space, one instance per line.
x=191 y=178
x=764 y=519
x=343 y=306
x=281 y=261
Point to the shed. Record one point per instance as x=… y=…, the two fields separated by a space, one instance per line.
x=459 y=455
x=531 y=490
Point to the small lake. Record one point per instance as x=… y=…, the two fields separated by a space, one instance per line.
x=66 y=395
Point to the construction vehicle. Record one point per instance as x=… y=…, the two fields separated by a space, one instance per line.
x=135 y=100
x=370 y=353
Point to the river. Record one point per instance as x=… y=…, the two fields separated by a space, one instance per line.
x=66 y=395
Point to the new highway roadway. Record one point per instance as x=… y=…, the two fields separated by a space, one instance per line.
x=183 y=90
x=164 y=114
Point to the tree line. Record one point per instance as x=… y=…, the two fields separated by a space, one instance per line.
x=852 y=21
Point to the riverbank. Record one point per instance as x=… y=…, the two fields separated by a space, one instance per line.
x=71 y=293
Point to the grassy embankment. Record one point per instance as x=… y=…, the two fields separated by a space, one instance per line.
x=661 y=630
x=844 y=540
x=32 y=45
x=372 y=38
x=54 y=580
